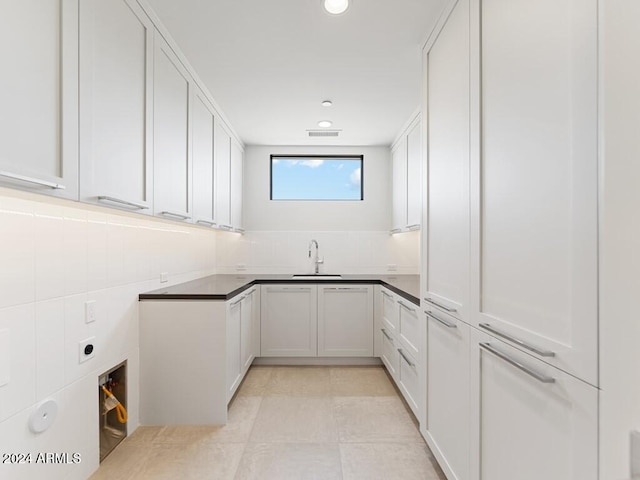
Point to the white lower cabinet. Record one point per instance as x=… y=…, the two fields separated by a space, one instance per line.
x=234 y=341
x=389 y=353
x=408 y=380
x=289 y=321
x=345 y=321
x=247 y=331
x=533 y=420
x=447 y=368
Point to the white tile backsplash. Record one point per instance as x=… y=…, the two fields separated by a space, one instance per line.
x=56 y=255
x=50 y=347
x=343 y=252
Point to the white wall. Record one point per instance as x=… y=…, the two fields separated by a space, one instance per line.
x=54 y=256
x=353 y=236
x=620 y=241
x=371 y=214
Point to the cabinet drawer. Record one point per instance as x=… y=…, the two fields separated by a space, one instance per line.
x=389 y=355
x=534 y=420
x=389 y=311
x=408 y=380
x=409 y=327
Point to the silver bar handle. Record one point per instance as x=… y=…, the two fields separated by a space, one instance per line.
x=347 y=289
x=517 y=341
x=395 y=230
x=225 y=227
x=413 y=227
x=175 y=215
x=237 y=301
x=239 y=230
x=412 y=310
x=444 y=322
x=388 y=295
x=384 y=332
x=444 y=307
x=529 y=371
x=125 y=203
x=206 y=223
x=402 y=354
x=34 y=181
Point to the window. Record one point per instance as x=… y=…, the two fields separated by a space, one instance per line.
x=316 y=177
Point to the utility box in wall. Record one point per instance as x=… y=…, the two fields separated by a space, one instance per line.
x=112 y=403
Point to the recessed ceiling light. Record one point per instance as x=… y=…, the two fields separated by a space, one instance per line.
x=327 y=103
x=325 y=123
x=335 y=7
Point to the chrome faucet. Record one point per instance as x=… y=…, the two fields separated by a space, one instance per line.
x=317 y=260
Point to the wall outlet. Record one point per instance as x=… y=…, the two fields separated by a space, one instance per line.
x=392 y=267
x=635 y=454
x=241 y=267
x=164 y=277
x=87 y=349
x=90 y=311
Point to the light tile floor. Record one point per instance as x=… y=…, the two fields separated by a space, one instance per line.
x=319 y=423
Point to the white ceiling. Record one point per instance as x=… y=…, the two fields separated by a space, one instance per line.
x=269 y=64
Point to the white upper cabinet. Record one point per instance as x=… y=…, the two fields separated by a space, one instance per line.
x=399 y=185
x=414 y=175
x=116 y=53
x=406 y=188
x=446 y=252
x=171 y=147
x=39 y=98
x=222 y=176
x=536 y=224
x=237 y=169
x=203 y=122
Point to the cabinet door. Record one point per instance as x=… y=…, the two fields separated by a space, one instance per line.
x=414 y=176
x=39 y=97
x=223 y=176
x=399 y=185
x=246 y=332
x=289 y=321
x=234 y=331
x=534 y=420
x=345 y=321
x=116 y=49
x=447 y=218
x=537 y=207
x=203 y=122
x=237 y=169
x=171 y=161
x=448 y=414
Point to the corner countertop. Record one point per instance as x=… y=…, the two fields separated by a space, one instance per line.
x=225 y=287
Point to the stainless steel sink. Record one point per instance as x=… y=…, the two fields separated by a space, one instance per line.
x=307 y=276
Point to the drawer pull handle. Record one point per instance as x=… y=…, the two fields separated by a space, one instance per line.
x=517 y=341
x=406 y=359
x=175 y=215
x=412 y=310
x=529 y=371
x=444 y=307
x=384 y=332
x=206 y=223
x=34 y=181
x=388 y=295
x=125 y=203
x=444 y=322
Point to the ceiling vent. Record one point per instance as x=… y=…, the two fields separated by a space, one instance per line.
x=323 y=133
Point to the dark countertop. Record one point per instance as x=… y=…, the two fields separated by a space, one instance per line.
x=225 y=287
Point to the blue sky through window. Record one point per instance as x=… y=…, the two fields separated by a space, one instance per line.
x=316 y=178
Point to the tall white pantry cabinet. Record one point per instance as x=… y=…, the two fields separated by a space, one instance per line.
x=510 y=277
